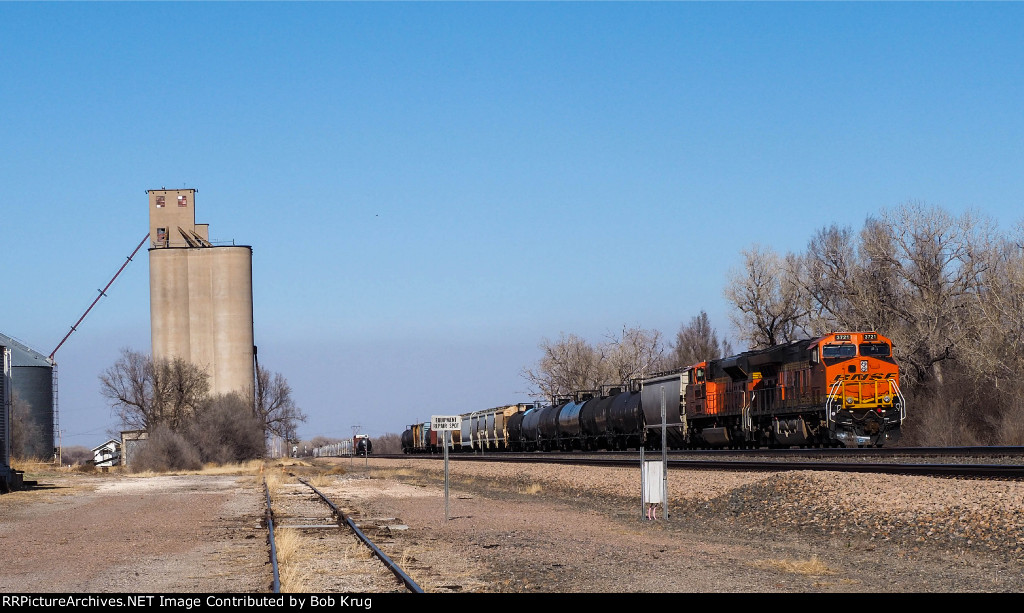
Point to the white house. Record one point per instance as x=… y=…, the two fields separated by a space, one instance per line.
x=108 y=454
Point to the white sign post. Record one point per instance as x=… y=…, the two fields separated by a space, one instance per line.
x=446 y=424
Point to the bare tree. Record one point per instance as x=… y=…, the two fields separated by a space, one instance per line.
x=696 y=342
x=1000 y=311
x=145 y=392
x=567 y=365
x=275 y=406
x=226 y=430
x=634 y=353
x=572 y=364
x=945 y=288
x=937 y=269
x=76 y=454
x=320 y=441
x=769 y=308
x=389 y=443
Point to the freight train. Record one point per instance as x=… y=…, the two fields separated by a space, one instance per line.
x=360 y=445
x=841 y=389
x=364 y=446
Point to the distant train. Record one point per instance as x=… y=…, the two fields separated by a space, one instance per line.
x=841 y=389
x=360 y=445
x=364 y=446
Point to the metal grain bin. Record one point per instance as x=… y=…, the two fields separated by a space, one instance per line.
x=5 y=419
x=32 y=398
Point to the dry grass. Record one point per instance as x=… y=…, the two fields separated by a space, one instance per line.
x=294 y=580
x=274 y=479
x=531 y=489
x=285 y=462
x=251 y=467
x=357 y=551
x=321 y=481
x=242 y=468
x=812 y=567
x=34 y=466
x=408 y=556
x=288 y=543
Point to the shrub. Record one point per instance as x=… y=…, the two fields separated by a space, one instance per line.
x=165 y=450
x=227 y=431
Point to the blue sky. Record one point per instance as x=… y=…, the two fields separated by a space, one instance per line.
x=430 y=189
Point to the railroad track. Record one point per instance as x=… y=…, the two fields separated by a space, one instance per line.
x=970 y=462
x=316 y=547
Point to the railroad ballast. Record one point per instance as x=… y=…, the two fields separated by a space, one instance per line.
x=841 y=389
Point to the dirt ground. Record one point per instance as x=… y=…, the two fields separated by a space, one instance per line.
x=204 y=533
x=78 y=533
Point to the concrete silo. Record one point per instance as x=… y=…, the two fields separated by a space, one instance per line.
x=31 y=396
x=200 y=294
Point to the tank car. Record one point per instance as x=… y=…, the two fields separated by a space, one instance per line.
x=362 y=444
x=419 y=438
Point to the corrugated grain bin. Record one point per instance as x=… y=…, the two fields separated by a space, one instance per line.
x=5 y=418
x=31 y=397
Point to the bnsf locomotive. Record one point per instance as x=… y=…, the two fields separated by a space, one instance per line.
x=838 y=390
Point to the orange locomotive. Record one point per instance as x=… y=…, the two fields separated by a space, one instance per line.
x=840 y=389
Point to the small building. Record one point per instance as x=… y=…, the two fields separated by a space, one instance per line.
x=108 y=454
x=131 y=442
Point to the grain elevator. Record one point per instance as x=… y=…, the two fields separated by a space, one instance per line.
x=200 y=294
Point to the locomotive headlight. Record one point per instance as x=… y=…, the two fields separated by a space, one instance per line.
x=885 y=399
x=849 y=400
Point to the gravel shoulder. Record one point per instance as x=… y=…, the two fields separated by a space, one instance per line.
x=110 y=533
x=563 y=529
x=525 y=529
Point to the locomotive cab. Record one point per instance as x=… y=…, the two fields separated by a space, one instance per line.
x=863 y=402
